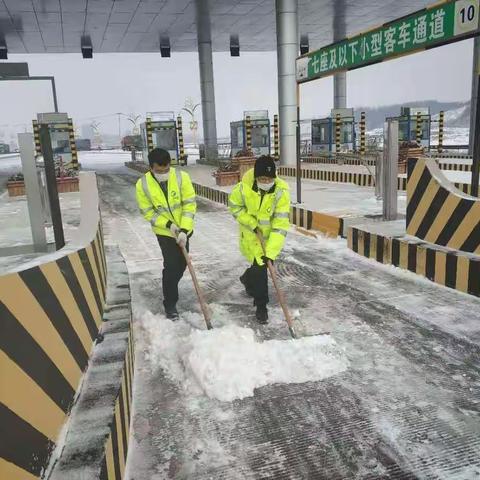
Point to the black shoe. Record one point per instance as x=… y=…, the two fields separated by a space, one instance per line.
x=262 y=314
x=171 y=313
x=244 y=283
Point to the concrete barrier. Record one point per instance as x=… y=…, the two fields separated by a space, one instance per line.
x=50 y=312
x=453 y=269
x=438 y=212
x=96 y=438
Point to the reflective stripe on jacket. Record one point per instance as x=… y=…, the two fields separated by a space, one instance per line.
x=270 y=214
x=180 y=208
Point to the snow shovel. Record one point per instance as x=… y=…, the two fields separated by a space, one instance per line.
x=203 y=305
x=281 y=298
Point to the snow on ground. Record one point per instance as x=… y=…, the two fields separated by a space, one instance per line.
x=406 y=406
x=230 y=362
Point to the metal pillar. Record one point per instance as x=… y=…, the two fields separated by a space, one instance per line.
x=339 y=33
x=340 y=90
x=474 y=96
x=475 y=119
x=390 y=170
x=34 y=195
x=287 y=51
x=205 y=62
x=298 y=170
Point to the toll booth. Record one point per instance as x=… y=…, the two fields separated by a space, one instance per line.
x=407 y=125
x=160 y=130
x=62 y=136
x=324 y=131
x=253 y=132
x=4 y=148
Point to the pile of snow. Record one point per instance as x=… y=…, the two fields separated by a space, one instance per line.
x=229 y=362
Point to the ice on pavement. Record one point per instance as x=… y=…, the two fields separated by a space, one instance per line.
x=229 y=362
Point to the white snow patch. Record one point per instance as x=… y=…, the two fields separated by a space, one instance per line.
x=229 y=362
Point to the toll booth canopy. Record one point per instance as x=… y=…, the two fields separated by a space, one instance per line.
x=407 y=125
x=259 y=133
x=323 y=131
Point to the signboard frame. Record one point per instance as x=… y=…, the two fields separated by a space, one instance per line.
x=434 y=26
x=446 y=22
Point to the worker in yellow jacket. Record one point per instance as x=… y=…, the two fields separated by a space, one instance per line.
x=260 y=203
x=166 y=199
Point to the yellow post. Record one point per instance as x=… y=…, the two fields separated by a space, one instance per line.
x=419 y=128
x=36 y=137
x=362 y=133
x=338 y=133
x=148 y=127
x=248 y=132
x=275 y=138
x=181 y=146
x=441 y=123
x=73 y=145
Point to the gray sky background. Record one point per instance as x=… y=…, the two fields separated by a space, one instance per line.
x=140 y=83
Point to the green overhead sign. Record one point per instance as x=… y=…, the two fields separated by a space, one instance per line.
x=437 y=25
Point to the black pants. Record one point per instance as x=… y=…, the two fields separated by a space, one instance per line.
x=256 y=282
x=174 y=265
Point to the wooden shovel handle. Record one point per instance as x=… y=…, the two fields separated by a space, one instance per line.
x=280 y=295
x=203 y=305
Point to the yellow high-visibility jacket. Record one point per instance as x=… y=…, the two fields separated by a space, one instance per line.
x=270 y=214
x=180 y=208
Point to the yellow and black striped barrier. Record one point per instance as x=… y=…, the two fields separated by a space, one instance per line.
x=450 y=268
x=344 y=158
x=116 y=446
x=181 y=145
x=338 y=133
x=73 y=145
x=458 y=167
x=50 y=314
x=441 y=124
x=276 y=137
x=149 y=132
x=362 y=133
x=36 y=137
x=360 y=179
x=212 y=194
x=248 y=132
x=419 y=129
x=437 y=212
x=50 y=317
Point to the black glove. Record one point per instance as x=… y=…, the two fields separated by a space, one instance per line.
x=266 y=260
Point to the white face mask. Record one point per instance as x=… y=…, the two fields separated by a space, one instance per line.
x=266 y=186
x=162 y=177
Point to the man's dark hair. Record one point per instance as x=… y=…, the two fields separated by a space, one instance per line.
x=159 y=156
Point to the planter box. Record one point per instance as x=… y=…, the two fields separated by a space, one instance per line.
x=64 y=185
x=224 y=179
x=243 y=164
x=16 y=189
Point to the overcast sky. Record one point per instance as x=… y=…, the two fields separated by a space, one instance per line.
x=140 y=83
